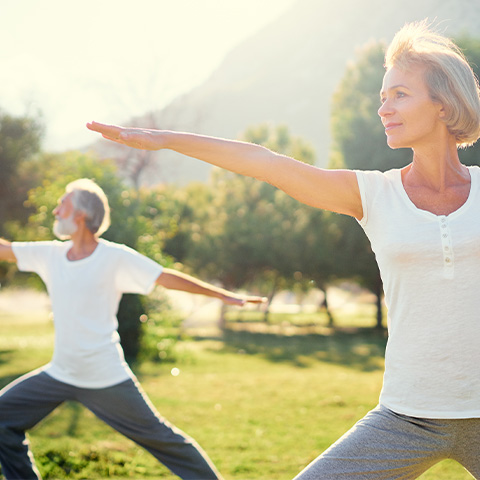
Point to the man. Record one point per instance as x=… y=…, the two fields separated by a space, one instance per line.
x=85 y=278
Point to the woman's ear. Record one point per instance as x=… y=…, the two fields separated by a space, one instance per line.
x=441 y=112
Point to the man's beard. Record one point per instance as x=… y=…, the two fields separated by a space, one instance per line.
x=64 y=228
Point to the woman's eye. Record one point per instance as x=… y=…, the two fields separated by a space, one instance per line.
x=400 y=94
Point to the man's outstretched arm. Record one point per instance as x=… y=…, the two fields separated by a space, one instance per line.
x=6 y=251
x=174 y=280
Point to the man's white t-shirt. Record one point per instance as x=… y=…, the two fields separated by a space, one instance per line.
x=430 y=267
x=85 y=295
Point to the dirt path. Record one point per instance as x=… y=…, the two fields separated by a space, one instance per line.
x=23 y=301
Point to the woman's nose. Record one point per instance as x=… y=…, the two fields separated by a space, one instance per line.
x=384 y=109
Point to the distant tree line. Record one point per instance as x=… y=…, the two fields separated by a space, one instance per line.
x=235 y=230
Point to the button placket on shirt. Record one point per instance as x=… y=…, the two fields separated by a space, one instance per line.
x=447 y=248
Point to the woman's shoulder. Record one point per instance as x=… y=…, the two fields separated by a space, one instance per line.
x=474 y=169
x=377 y=177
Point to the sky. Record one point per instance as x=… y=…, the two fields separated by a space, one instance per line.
x=109 y=60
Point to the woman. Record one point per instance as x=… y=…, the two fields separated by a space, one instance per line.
x=423 y=222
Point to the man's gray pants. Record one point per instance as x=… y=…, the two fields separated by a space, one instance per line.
x=124 y=407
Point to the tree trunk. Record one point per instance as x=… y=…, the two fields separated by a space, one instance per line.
x=222 y=320
x=379 y=293
x=270 y=298
x=324 y=304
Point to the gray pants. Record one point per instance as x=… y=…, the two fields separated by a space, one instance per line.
x=385 y=446
x=125 y=407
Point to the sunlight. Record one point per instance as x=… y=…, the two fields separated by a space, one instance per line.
x=113 y=60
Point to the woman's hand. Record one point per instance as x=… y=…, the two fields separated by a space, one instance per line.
x=141 y=138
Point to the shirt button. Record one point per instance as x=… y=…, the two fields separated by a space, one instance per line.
x=447 y=260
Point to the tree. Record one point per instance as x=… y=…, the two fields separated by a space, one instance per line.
x=248 y=235
x=183 y=211
x=359 y=143
x=471 y=49
x=317 y=245
x=20 y=139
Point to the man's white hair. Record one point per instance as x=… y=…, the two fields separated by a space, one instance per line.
x=90 y=199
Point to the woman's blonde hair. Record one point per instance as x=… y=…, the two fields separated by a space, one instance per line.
x=90 y=199
x=448 y=75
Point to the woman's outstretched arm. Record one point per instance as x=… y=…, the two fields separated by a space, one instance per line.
x=335 y=190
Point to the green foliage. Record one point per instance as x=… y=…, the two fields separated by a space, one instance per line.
x=280 y=140
x=19 y=142
x=359 y=143
x=168 y=214
x=161 y=335
x=248 y=234
x=356 y=261
x=471 y=48
x=240 y=239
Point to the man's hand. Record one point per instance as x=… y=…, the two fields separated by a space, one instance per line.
x=6 y=251
x=241 y=300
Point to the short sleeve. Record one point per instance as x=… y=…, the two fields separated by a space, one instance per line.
x=33 y=256
x=374 y=186
x=363 y=196
x=135 y=273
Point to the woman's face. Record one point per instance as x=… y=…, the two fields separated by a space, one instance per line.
x=410 y=117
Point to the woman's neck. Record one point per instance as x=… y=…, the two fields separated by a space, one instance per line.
x=436 y=168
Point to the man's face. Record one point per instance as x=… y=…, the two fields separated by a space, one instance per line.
x=64 y=226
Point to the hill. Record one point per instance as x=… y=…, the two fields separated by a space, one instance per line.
x=286 y=74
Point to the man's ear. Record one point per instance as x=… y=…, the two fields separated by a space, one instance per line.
x=79 y=217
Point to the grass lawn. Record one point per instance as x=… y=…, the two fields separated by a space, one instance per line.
x=263 y=404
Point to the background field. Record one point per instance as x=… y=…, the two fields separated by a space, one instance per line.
x=263 y=402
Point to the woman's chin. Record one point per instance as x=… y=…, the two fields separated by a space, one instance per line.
x=394 y=144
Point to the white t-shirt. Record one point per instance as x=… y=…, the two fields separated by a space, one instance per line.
x=430 y=267
x=85 y=295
